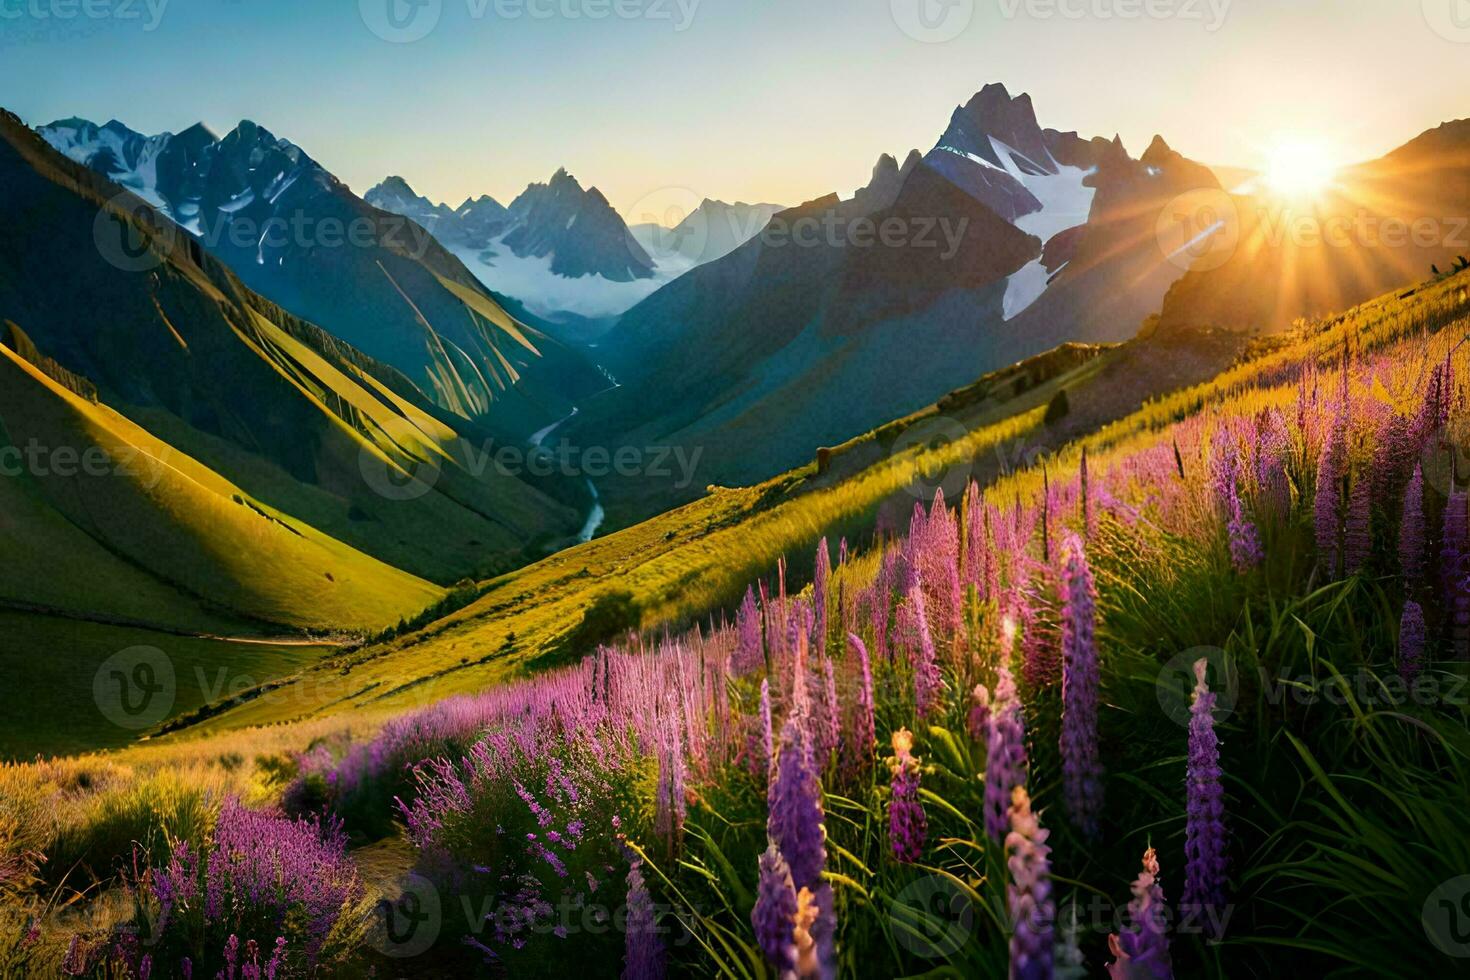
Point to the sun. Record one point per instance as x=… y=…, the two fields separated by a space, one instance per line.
x=1300 y=169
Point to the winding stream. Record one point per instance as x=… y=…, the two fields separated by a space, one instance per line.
x=596 y=514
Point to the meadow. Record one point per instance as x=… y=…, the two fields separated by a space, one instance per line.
x=1184 y=696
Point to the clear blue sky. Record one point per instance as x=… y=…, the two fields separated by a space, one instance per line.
x=777 y=100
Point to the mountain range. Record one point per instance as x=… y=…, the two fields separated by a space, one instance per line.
x=558 y=251
x=751 y=335
x=236 y=459
x=1010 y=239
x=297 y=235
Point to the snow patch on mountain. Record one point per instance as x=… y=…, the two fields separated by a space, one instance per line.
x=1065 y=203
x=529 y=279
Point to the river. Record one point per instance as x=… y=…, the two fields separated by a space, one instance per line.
x=596 y=514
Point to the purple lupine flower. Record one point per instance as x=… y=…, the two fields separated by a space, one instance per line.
x=794 y=825
x=775 y=912
x=927 y=681
x=1327 y=510
x=1204 y=834
x=1273 y=443
x=767 y=737
x=820 y=600
x=1357 y=539
x=882 y=601
x=644 y=954
x=749 y=651
x=972 y=573
x=671 y=806
x=1084 y=489
x=1411 y=531
x=1039 y=667
x=277 y=960
x=1454 y=562
x=907 y=825
x=1005 y=758
x=864 y=731
x=1412 y=634
x=795 y=820
x=1141 y=951
x=1081 y=768
x=1028 y=895
x=831 y=711
x=1245 y=541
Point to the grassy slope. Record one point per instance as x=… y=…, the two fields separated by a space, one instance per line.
x=700 y=557
x=166 y=512
x=270 y=403
x=55 y=661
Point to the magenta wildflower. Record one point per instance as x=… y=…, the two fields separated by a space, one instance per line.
x=927 y=681
x=972 y=572
x=670 y=805
x=1245 y=541
x=644 y=955
x=820 y=599
x=1005 y=758
x=907 y=825
x=1454 y=560
x=1028 y=895
x=767 y=737
x=864 y=731
x=831 y=730
x=1412 y=634
x=795 y=798
x=775 y=911
x=1084 y=489
x=1327 y=510
x=1357 y=538
x=1204 y=835
x=1081 y=768
x=1411 y=531
x=1141 y=951
x=749 y=651
x=794 y=826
